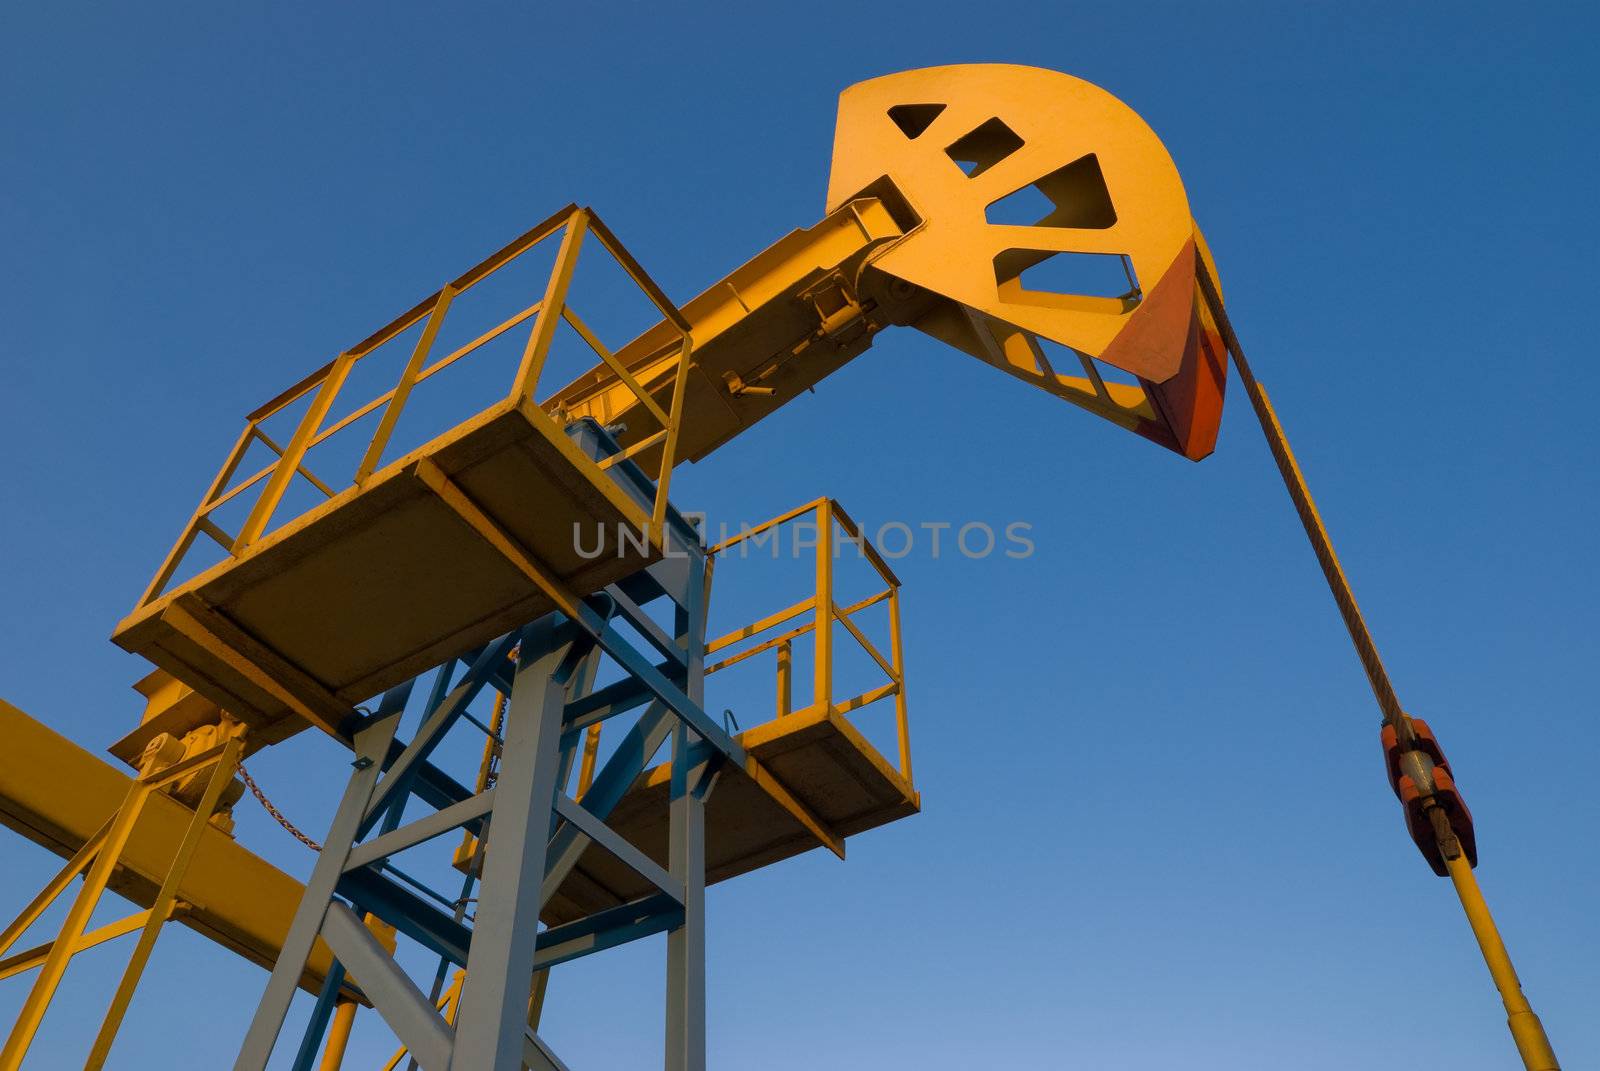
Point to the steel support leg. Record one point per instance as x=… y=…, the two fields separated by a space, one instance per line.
x=492 y=1020
x=533 y=835
x=371 y=746
x=686 y=945
x=686 y=853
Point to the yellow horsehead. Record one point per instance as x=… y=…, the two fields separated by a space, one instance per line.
x=969 y=147
x=925 y=165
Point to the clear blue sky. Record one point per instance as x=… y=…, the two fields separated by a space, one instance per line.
x=1156 y=832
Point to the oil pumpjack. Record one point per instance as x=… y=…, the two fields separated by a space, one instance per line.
x=434 y=575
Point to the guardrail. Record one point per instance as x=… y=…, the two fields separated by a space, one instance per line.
x=820 y=613
x=269 y=484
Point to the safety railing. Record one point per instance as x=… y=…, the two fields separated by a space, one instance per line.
x=816 y=617
x=269 y=484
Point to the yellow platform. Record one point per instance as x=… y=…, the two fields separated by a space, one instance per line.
x=426 y=559
x=410 y=563
x=818 y=757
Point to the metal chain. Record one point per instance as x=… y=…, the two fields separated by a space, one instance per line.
x=295 y=831
x=261 y=798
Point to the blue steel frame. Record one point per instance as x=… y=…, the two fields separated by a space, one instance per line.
x=535 y=832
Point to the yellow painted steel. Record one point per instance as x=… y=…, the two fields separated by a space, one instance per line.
x=343 y=1020
x=920 y=161
x=448 y=1004
x=61 y=797
x=512 y=485
x=97 y=862
x=907 y=240
x=591 y=754
x=1526 y=1029
x=925 y=164
x=759 y=338
x=35 y=957
x=224 y=762
x=326 y=384
x=822 y=692
x=826 y=523
x=1019 y=126
x=402 y=390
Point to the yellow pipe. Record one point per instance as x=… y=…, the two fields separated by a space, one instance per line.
x=344 y=1018
x=822 y=696
x=591 y=753
x=1526 y=1030
x=541 y=984
x=785 y=688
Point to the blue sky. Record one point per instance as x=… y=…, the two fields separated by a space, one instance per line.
x=1155 y=829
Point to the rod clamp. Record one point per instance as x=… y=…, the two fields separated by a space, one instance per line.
x=1423 y=783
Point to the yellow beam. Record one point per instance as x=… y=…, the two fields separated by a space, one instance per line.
x=252 y=659
x=484 y=525
x=785 y=799
x=59 y=796
x=33 y=957
x=770 y=621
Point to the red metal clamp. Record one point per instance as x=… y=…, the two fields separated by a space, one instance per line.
x=1445 y=794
